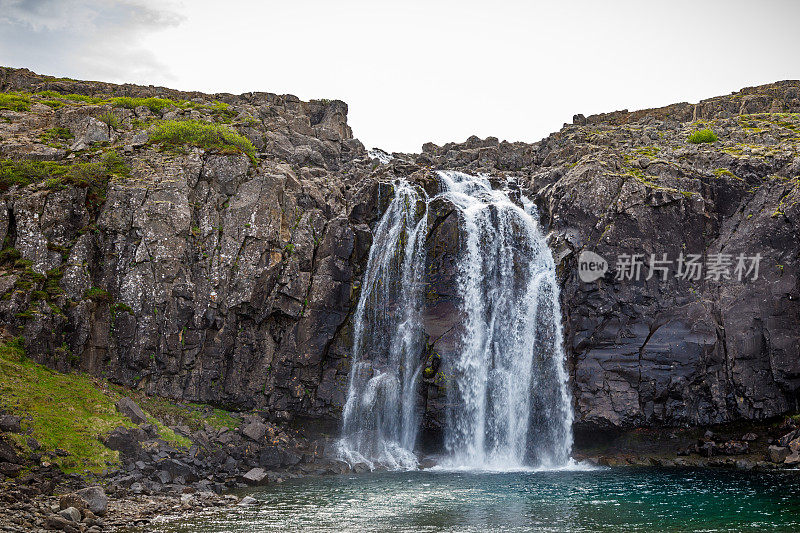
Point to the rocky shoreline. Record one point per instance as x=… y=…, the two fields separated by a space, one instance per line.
x=156 y=482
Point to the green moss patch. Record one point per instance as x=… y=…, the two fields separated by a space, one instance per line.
x=93 y=175
x=70 y=412
x=55 y=136
x=193 y=415
x=207 y=135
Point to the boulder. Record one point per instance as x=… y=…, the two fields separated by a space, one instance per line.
x=777 y=454
x=71 y=514
x=794 y=445
x=125 y=440
x=95 y=498
x=360 y=468
x=793 y=459
x=72 y=500
x=733 y=447
x=163 y=477
x=270 y=457
x=129 y=408
x=10 y=469
x=255 y=430
x=787 y=438
x=8 y=454
x=57 y=522
x=254 y=476
x=247 y=500
x=10 y=424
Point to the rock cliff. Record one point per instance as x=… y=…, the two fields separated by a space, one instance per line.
x=211 y=274
x=675 y=352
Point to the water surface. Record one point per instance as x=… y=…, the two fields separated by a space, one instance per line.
x=629 y=499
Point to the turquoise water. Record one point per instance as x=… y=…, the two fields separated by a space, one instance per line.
x=628 y=499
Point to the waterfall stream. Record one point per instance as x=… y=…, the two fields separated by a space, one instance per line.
x=508 y=399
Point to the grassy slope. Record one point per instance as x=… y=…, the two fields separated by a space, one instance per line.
x=71 y=411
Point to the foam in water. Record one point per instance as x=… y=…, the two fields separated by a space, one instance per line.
x=509 y=401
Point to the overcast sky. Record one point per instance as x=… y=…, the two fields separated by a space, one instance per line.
x=416 y=71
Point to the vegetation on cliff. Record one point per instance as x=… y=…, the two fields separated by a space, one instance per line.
x=66 y=415
x=207 y=135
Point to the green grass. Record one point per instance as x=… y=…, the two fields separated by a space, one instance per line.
x=97 y=294
x=55 y=135
x=207 y=135
x=94 y=174
x=72 y=411
x=194 y=415
x=15 y=101
x=156 y=105
x=702 y=136
x=67 y=411
x=128 y=102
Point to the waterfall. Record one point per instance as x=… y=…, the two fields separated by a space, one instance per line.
x=509 y=404
x=380 y=422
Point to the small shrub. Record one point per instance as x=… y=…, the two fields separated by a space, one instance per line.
x=703 y=136
x=210 y=136
x=54 y=104
x=54 y=183
x=110 y=119
x=115 y=164
x=221 y=111
x=15 y=101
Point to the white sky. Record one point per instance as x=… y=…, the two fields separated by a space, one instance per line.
x=415 y=71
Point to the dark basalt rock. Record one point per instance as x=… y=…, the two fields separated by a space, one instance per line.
x=234 y=284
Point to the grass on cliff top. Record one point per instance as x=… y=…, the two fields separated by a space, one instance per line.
x=702 y=136
x=207 y=135
x=219 y=110
x=15 y=101
x=57 y=175
x=71 y=411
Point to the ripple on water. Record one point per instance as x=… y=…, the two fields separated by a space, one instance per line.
x=610 y=500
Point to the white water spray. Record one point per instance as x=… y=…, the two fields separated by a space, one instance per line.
x=510 y=404
x=380 y=422
x=507 y=385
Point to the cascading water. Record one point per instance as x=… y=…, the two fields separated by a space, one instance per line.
x=509 y=404
x=380 y=422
